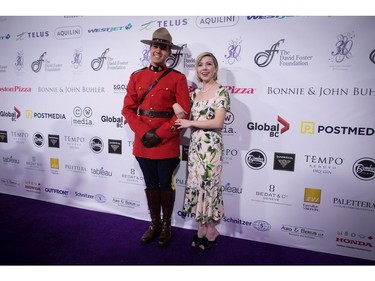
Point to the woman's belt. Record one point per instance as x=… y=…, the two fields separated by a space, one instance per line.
x=155 y=113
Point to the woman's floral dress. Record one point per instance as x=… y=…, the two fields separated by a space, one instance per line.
x=203 y=194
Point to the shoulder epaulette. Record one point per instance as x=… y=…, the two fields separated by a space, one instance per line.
x=176 y=70
x=139 y=70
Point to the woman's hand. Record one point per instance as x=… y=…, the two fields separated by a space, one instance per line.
x=179 y=111
x=182 y=123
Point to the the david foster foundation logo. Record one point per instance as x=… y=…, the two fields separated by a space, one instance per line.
x=97 y=63
x=255 y=159
x=287 y=58
x=364 y=168
x=284 y=161
x=112 y=63
x=312 y=199
x=36 y=66
x=96 y=145
x=372 y=56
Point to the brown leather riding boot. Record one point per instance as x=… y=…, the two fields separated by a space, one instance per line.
x=153 y=200
x=167 y=203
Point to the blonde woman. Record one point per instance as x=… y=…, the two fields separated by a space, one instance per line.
x=203 y=194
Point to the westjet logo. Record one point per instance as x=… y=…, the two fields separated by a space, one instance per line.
x=111 y=29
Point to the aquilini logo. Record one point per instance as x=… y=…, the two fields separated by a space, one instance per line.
x=284 y=161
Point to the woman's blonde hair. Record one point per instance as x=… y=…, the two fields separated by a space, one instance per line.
x=198 y=60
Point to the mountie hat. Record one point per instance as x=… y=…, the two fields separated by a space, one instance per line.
x=161 y=36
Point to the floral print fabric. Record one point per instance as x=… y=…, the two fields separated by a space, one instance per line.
x=203 y=193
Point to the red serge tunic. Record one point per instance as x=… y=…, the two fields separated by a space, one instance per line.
x=170 y=89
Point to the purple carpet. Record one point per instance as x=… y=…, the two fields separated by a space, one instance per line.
x=34 y=232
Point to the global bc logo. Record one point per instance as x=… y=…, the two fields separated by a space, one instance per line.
x=274 y=129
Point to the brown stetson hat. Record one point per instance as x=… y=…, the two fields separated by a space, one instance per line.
x=161 y=36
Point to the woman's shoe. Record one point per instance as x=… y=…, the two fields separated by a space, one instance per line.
x=197 y=241
x=207 y=244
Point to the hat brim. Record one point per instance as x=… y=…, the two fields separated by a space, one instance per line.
x=149 y=42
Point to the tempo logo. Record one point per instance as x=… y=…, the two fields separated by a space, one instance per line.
x=307 y=127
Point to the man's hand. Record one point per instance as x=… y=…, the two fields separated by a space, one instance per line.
x=151 y=139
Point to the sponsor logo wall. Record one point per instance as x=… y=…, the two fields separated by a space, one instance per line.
x=299 y=161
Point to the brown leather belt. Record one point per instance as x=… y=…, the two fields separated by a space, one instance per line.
x=154 y=113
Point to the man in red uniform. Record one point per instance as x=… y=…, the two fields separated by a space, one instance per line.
x=156 y=139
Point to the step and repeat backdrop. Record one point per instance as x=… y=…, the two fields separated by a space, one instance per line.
x=299 y=159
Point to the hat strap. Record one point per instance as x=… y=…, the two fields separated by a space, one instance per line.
x=162 y=41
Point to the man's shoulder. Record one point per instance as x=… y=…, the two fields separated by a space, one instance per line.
x=174 y=70
x=139 y=70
